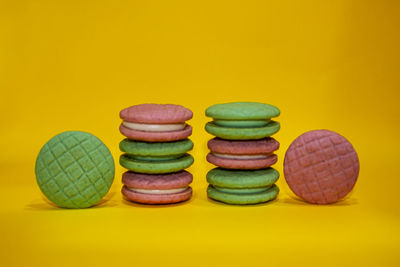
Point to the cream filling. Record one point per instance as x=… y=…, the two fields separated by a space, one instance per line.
x=158 y=192
x=154 y=127
x=230 y=156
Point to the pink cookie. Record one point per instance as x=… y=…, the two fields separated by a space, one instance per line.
x=243 y=154
x=156 y=136
x=157 y=188
x=243 y=164
x=156 y=199
x=156 y=122
x=157 y=181
x=321 y=166
x=243 y=147
x=156 y=113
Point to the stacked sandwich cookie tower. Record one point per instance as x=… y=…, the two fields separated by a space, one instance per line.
x=155 y=153
x=243 y=151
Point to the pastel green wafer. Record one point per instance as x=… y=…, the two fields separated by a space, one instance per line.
x=156 y=166
x=241 y=123
x=243 y=133
x=242 y=111
x=147 y=149
x=242 y=178
x=243 y=199
x=241 y=190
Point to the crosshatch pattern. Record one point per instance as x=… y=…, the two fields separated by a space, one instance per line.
x=74 y=170
x=321 y=166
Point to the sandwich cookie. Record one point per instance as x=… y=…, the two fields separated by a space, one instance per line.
x=242 y=187
x=242 y=120
x=321 y=166
x=243 y=154
x=157 y=188
x=244 y=151
x=146 y=157
x=156 y=152
x=74 y=170
x=156 y=122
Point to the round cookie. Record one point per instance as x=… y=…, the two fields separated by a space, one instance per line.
x=156 y=113
x=157 y=181
x=157 y=188
x=245 y=164
x=156 y=166
x=243 y=147
x=249 y=154
x=155 y=151
x=241 y=190
x=156 y=122
x=242 y=133
x=321 y=166
x=156 y=136
x=156 y=199
x=242 y=124
x=242 y=111
x=219 y=177
x=245 y=198
x=74 y=170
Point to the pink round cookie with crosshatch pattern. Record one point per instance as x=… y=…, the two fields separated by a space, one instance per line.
x=321 y=166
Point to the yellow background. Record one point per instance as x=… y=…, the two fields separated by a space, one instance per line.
x=73 y=65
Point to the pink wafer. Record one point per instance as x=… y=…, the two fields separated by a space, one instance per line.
x=155 y=198
x=243 y=147
x=244 y=164
x=321 y=166
x=156 y=136
x=157 y=181
x=156 y=113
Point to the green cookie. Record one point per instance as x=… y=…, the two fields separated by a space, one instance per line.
x=243 y=198
x=241 y=124
x=155 y=166
x=242 y=111
x=219 y=177
x=243 y=133
x=155 y=151
x=242 y=120
x=74 y=169
x=241 y=190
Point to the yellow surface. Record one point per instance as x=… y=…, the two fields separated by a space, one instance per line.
x=72 y=65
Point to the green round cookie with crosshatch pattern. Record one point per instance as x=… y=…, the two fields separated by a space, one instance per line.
x=74 y=169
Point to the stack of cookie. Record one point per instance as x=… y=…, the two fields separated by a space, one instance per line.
x=155 y=153
x=243 y=151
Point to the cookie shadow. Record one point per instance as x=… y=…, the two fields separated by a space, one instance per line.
x=127 y=202
x=348 y=201
x=256 y=205
x=45 y=205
